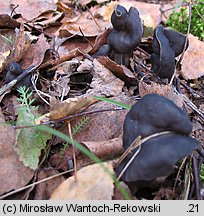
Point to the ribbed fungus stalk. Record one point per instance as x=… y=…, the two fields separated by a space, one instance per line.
x=167 y=44
x=159 y=154
x=125 y=36
x=14 y=70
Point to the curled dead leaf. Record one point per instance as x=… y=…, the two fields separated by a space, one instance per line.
x=193 y=61
x=28 y=9
x=163 y=90
x=14 y=174
x=106 y=149
x=118 y=70
x=83 y=25
x=100 y=85
x=68 y=107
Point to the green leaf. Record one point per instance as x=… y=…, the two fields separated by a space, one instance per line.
x=30 y=141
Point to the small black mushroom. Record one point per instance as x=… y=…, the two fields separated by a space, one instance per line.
x=14 y=70
x=163 y=57
x=129 y=30
x=125 y=36
x=158 y=155
x=119 y=18
x=167 y=44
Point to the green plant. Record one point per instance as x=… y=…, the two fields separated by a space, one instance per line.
x=122 y=105
x=30 y=140
x=202 y=173
x=76 y=129
x=178 y=20
x=26 y=101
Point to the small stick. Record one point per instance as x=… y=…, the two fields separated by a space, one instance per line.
x=69 y=117
x=184 y=48
x=86 y=38
x=196 y=177
x=94 y=19
x=33 y=184
x=143 y=51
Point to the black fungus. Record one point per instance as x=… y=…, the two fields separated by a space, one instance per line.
x=158 y=155
x=125 y=36
x=153 y=114
x=163 y=57
x=167 y=44
x=14 y=70
x=129 y=31
x=176 y=40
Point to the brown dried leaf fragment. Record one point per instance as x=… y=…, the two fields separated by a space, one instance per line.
x=163 y=90
x=93 y=183
x=193 y=61
x=28 y=9
x=104 y=82
x=14 y=174
x=68 y=107
x=118 y=70
x=44 y=190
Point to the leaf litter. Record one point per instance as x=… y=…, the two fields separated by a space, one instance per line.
x=59 y=40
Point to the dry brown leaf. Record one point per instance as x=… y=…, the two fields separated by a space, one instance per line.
x=14 y=174
x=85 y=65
x=66 y=55
x=68 y=107
x=44 y=190
x=100 y=40
x=103 y=126
x=20 y=48
x=69 y=11
x=164 y=90
x=73 y=44
x=106 y=149
x=100 y=85
x=118 y=70
x=193 y=61
x=3 y=57
x=36 y=53
x=28 y=9
x=47 y=19
x=84 y=22
x=166 y=194
x=7 y=22
x=59 y=86
x=93 y=183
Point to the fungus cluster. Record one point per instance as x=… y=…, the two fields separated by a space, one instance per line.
x=125 y=36
x=166 y=46
x=158 y=155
